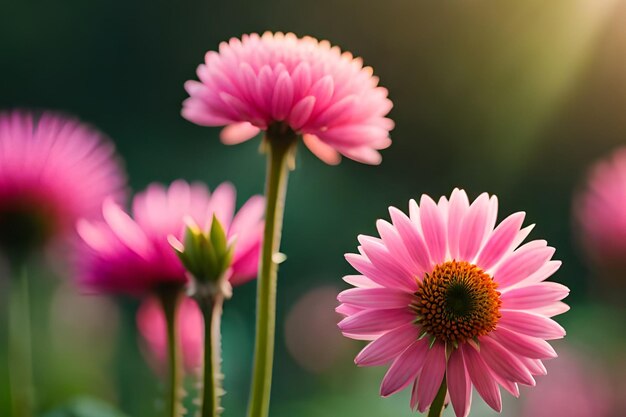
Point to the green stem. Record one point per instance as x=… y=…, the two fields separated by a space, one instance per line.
x=280 y=148
x=20 y=348
x=437 y=407
x=170 y=299
x=212 y=388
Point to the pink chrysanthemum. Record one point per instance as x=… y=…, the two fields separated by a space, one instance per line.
x=53 y=171
x=133 y=255
x=600 y=211
x=314 y=89
x=444 y=294
x=151 y=324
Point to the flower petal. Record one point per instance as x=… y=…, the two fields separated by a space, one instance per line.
x=459 y=204
x=405 y=368
x=459 y=385
x=482 y=378
x=373 y=321
x=376 y=298
x=500 y=242
x=530 y=347
x=531 y=324
x=388 y=346
x=504 y=363
x=431 y=376
x=434 y=229
x=523 y=263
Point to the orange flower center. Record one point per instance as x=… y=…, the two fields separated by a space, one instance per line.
x=457 y=302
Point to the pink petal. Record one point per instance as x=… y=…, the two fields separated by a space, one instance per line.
x=501 y=241
x=405 y=368
x=388 y=346
x=365 y=267
x=434 y=229
x=248 y=216
x=413 y=242
x=551 y=310
x=531 y=347
x=474 y=227
x=381 y=258
x=394 y=243
x=348 y=310
x=376 y=298
x=360 y=281
x=222 y=204
x=301 y=112
x=282 y=98
x=481 y=378
x=541 y=274
x=373 y=321
x=320 y=149
x=531 y=324
x=125 y=228
x=459 y=204
x=522 y=263
x=459 y=385
x=238 y=132
x=533 y=296
x=504 y=363
x=431 y=376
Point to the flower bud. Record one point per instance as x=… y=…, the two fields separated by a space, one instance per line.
x=206 y=255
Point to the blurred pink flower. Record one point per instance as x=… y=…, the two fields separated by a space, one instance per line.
x=444 y=293
x=151 y=324
x=574 y=388
x=53 y=171
x=133 y=256
x=311 y=333
x=316 y=90
x=599 y=209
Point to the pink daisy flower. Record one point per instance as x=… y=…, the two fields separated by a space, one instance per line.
x=53 y=171
x=152 y=327
x=132 y=255
x=446 y=297
x=280 y=81
x=599 y=209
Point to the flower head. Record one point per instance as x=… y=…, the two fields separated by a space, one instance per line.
x=599 y=210
x=151 y=325
x=306 y=86
x=444 y=293
x=53 y=171
x=132 y=255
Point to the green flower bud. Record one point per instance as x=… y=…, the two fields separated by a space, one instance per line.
x=207 y=255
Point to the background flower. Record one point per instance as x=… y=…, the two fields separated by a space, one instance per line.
x=151 y=325
x=132 y=255
x=316 y=90
x=53 y=171
x=599 y=211
x=445 y=294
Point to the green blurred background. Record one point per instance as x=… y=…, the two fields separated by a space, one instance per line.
x=512 y=98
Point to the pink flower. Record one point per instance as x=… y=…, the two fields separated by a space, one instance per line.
x=575 y=387
x=319 y=92
x=53 y=171
x=443 y=293
x=132 y=255
x=599 y=210
x=151 y=324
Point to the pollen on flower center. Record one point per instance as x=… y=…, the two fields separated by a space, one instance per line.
x=457 y=302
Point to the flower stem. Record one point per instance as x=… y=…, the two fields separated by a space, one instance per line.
x=20 y=347
x=170 y=299
x=212 y=389
x=280 y=149
x=437 y=407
